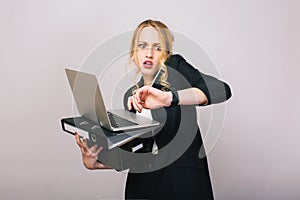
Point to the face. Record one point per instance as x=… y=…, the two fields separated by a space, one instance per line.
x=148 y=53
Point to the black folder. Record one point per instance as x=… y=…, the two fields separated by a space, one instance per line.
x=111 y=153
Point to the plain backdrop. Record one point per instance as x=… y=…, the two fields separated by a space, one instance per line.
x=254 y=45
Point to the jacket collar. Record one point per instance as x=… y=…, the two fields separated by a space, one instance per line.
x=155 y=85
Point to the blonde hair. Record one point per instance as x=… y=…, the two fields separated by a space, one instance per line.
x=166 y=41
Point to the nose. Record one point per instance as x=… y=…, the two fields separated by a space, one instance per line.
x=149 y=53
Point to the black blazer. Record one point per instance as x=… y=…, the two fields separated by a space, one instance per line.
x=180 y=173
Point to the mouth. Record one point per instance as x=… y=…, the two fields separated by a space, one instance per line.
x=148 y=64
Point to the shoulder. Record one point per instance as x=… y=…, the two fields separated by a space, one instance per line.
x=179 y=63
x=174 y=60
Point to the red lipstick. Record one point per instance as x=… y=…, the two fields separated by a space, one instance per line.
x=148 y=64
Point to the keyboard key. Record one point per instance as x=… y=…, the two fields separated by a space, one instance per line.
x=117 y=121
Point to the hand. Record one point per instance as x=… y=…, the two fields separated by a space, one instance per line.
x=149 y=98
x=90 y=155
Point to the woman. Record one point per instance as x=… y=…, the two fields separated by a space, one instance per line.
x=188 y=176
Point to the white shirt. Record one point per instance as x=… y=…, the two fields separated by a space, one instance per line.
x=147 y=113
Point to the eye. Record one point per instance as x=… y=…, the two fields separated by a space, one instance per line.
x=142 y=46
x=157 y=48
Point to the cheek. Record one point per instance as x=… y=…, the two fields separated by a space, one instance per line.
x=139 y=58
x=157 y=57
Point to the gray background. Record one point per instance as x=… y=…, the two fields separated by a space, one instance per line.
x=254 y=45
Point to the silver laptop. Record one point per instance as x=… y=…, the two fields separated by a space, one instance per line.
x=90 y=105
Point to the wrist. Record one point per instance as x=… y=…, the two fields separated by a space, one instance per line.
x=169 y=98
x=88 y=166
x=100 y=165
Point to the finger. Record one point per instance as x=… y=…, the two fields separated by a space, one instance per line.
x=129 y=103
x=79 y=143
x=78 y=140
x=84 y=141
x=136 y=105
x=85 y=146
x=144 y=93
x=93 y=148
x=138 y=94
x=82 y=150
x=98 y=150
x=137 y=102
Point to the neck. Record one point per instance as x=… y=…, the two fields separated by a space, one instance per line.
x=147 y=80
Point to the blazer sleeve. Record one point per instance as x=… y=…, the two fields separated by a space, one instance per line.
x=215 y=90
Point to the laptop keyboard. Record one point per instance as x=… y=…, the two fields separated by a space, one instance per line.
x=117 y=121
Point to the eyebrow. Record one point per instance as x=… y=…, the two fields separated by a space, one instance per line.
x=147 y=42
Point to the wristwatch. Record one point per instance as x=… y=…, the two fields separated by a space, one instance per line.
x=175 y=98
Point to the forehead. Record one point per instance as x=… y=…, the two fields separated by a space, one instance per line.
x=149 y=35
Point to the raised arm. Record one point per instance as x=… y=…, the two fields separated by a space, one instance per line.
x=203 y=90
x=152 y=98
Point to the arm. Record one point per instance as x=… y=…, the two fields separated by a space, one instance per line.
x=204 y=90
x=152 y=98
x=192 y=96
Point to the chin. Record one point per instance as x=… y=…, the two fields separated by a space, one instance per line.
x=147 y=72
